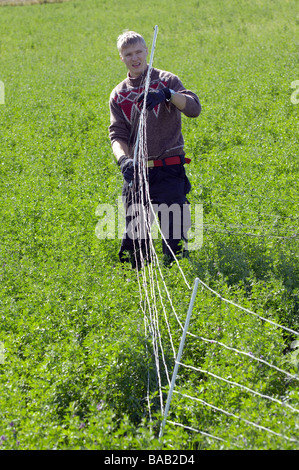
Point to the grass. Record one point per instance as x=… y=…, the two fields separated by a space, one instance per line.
x=76 y=366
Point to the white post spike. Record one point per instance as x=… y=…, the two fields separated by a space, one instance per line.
x=196 y=282
x=146 y=87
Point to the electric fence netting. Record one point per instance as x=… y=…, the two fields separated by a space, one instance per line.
x=167 y=333
x=277 y=229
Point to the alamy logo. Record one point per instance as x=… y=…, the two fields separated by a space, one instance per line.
x=184 y=221
x=295 y=94
x=2 y=93
x=2 y=352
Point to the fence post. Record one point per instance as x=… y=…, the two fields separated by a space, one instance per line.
x=175 y=371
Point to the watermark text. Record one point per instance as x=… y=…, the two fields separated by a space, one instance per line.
x=2 y=93
x=2 y=351
x=176 y=221
x=295 y=94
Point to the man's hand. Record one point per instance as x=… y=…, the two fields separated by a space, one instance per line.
x=155 y=97
x=127 y=168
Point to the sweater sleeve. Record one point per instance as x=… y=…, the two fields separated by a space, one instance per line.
x=193 y=106
x=119 y=129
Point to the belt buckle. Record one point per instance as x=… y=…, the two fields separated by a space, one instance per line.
x=150 y=163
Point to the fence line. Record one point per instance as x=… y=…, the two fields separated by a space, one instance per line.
x=276 y=216
x=236 y=417
x=235 y=384
x=241 y=193
x=157 y=338
x=290 y=376
x=247 y=310
x=150 y=288
x=232 y=232
x=158 y=335
x=241 y=225
x=251 y=356
x=218 y=203
x=157 y=346
x=197 y=430
x=148 y=323
x=215 y=228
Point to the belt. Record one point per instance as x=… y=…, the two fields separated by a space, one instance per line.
x=168 y=161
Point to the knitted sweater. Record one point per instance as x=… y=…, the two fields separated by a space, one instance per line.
x=163 y=123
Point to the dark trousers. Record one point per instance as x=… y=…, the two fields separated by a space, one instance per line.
x=168 y=187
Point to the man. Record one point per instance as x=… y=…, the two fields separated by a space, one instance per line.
x=167 y=181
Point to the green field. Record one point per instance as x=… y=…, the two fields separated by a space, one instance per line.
x=76 y=364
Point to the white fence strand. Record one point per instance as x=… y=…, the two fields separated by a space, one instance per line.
x=206 y=434
x=232 y=415
x=248 y=311
x=252 y=356
x=243 y=387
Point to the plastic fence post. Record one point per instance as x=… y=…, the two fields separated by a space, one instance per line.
x=147 y=81
x=175 y=371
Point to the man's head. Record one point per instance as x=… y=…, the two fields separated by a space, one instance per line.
x=133 y=52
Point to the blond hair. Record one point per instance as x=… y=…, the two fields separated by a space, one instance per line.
x=129 y=38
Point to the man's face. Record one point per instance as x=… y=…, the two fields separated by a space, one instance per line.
x=134 y=57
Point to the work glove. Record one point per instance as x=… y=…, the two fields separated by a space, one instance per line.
x=127 y=168
x=155 y=97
